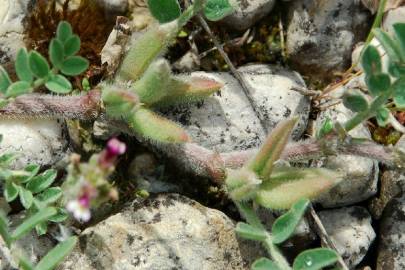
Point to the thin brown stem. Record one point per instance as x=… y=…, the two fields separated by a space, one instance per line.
x=324 y=236
x=234 y=71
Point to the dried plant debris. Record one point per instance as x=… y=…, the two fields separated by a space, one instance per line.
x=89 y=21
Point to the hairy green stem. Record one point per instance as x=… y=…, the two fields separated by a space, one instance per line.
x=276 y=254
x=251 y=217
x=377 y=20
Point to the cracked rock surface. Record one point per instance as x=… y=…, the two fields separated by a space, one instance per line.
x=164 y=232
x=351 y=231
x=227 y=122
x=38 y=141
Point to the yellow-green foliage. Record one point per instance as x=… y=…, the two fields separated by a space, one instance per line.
x=146 y=49
x=156 y=128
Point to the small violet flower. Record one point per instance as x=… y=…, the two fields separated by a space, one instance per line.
x=80 y=208
x=110 y=154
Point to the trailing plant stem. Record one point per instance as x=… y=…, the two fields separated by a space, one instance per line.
x=276 y=254
x=377 y=20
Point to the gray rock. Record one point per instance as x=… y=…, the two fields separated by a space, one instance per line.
x=392 y=184
x=247 y=13
x=148 y=175
x=39 y=141
x=322 y=33
x=361 y=174
x=166 y=232
x=12 y=14
x=351 y=231
x=226 y=121
x=391 y=247
x=396 y=15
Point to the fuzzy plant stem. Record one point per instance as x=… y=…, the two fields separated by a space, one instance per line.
x=82 y=107
x=206 y=163
x=193 y=157
x=276 y=254
x=377 y=20
x=251 y=217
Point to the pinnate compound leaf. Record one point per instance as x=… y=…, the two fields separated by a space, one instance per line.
x=57 y=254
x=355 y=101
x=42 y=181
x=390 y=45
x=249 y=232
x=371 y=60
x=26 y=197
x=30 y=223
x=10 y=191
x=38 y=64
x=56 y=53
x=61 y=216
x=378 y=83
x=288 y=185
x=74 y=65
x=396 y=68
x=31 y=170
x=285 y=225
x=50 y=195
x=22 y=67
x=399 y=92
x=72 y=45
x=164 y=11
x=315 y=259
x=59 y=84
x=382 y=116
x=64 y=31
x=264 y=264
x=399 y=30
x=18 y=88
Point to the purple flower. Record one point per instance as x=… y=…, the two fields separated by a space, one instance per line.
x=110 y=154
x=115 y=147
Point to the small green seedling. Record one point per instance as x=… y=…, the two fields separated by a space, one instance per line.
x=33 y=70
x=34 y=190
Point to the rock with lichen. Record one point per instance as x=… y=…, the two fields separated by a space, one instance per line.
x=163 y=232
x=227 y=121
